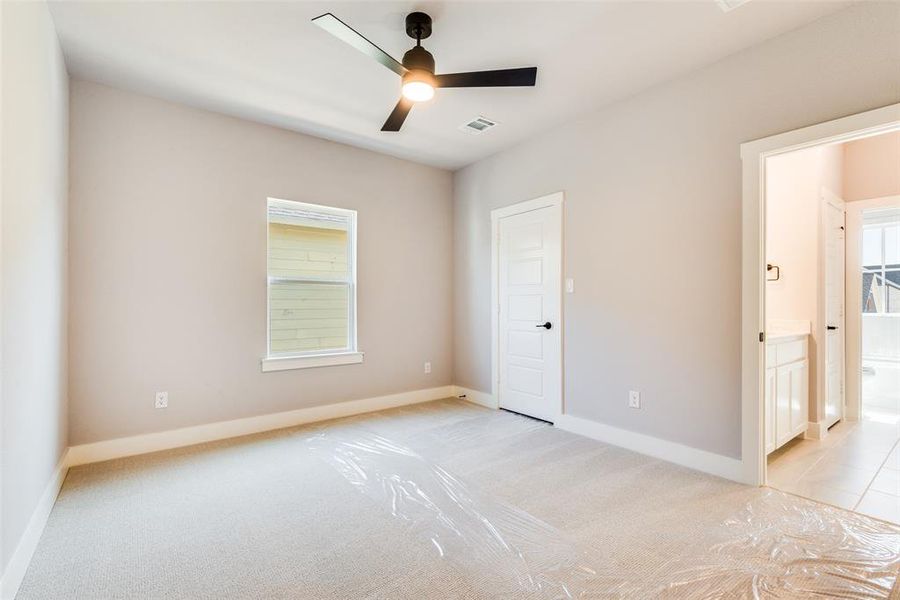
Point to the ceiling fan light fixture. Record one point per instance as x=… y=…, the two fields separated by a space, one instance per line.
x=418 y=85
x=418 y=91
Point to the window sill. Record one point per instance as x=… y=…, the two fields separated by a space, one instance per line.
x=309 y=362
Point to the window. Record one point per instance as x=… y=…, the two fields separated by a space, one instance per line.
x=311 y=268
x=881 y=262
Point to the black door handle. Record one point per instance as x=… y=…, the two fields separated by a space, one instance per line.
x=546 y=325
x=831 y=327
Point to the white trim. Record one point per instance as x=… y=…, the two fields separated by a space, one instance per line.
x=853 y=303
x=555 y=199
x=21 y=556
x=693 y=458
x=188 y=436
x=845 y=129
x=753 y=260
x=475 y=397
x=276 y=363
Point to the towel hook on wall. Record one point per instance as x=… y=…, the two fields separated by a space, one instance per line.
x=777 y=269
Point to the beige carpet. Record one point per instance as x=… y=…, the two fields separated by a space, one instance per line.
x=441 y=500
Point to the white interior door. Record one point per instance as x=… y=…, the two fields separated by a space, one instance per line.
x=528 y=294
x=834 y=309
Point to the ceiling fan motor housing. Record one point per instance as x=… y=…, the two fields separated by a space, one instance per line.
x=419 y=58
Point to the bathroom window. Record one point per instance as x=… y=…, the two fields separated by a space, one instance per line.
x=881 y=263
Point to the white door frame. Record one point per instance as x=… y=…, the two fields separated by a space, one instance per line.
x=555 y=200
x=853 y=300
x=753 y=261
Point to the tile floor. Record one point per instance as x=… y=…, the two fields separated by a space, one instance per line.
x=856 y=466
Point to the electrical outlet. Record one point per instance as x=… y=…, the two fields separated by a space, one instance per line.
x=634 y=399
x=162 y=399
x=427 y=368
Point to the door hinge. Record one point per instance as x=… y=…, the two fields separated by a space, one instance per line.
x=762 y=336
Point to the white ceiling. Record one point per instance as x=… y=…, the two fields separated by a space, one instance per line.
x=266 y=62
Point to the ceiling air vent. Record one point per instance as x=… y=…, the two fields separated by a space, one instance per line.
x=478 y=125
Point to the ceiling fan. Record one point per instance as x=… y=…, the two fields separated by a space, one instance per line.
x=417 y=68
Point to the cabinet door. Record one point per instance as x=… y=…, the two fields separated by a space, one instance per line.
x=799 y=396
x=782 y=404
x=770 y=410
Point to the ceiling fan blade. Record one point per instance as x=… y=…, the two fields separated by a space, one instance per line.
x=345 y=33
x=499 y=78
x=398 y=115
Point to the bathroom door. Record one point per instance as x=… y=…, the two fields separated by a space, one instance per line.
x=833 y=220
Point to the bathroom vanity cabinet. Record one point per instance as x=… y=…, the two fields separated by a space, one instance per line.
x=787 y=388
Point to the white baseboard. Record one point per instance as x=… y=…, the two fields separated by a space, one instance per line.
x=475 y=397
x=188 y=436
x=21 y=557
x=693 y=458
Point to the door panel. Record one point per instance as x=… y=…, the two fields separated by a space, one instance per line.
x=525 y=308
x=527 y=344
x=834 y=310
x=530 y=370
x=525 y=272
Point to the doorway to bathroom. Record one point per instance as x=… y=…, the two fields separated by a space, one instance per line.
x=831 y=407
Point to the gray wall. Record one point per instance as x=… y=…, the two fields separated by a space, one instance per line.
x=33 y=267
x=653 y=224
x=168 y=265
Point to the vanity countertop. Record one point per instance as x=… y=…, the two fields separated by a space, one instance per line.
x=786 y=330
x=777 y=336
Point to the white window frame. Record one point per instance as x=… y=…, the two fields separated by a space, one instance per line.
x=884 y=270
x=280 y=361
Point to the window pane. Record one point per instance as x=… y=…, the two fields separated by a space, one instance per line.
x=305 y=251
x=892 y=246
x=870 y=292
x=305 y=317
x=876 y=294
x=311 y=278
x=892 y=291
x=871 y=251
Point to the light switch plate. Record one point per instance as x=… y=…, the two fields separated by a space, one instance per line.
x=570 y=286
